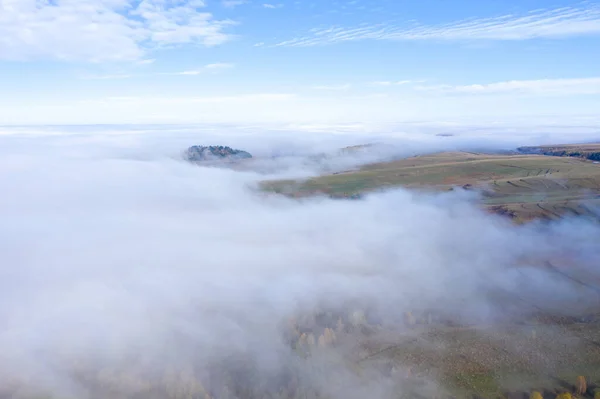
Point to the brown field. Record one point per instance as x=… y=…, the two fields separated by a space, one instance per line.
x=522 y=186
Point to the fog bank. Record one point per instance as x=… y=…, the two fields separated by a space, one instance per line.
x=114 y=251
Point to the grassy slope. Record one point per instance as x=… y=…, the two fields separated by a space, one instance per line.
x=487 y=361
x=527 y=186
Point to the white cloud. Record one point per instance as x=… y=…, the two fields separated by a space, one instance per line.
x=219 y=65
x=269 y=5
x=102 y=30
x=147 y=61
x=209 y=68
x=106 y=77
x=233 y=3
x=212 y=68
x=550 y=23
x=332 y=87
x=206 y=102
x=393 y=83
x=190 y=100
x=541 y=87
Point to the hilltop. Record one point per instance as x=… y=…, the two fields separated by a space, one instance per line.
x=198 y=153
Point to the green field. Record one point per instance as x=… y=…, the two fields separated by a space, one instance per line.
x=522 y=186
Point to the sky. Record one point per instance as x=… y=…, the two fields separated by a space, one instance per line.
x=299 y=62
x=111 y=244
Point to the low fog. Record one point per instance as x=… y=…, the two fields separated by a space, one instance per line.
x=121 y=261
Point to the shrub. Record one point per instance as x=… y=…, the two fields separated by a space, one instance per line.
x=357 y=318
x=302 y=341
x=339 y=326
x=565 y=395
x=581 y=385
x=429 y=318
x=409 y=319
x=536 y=395
x=321 y=341
x=329 y=337
x=310 y=339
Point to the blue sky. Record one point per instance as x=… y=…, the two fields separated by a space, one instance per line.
x=293 y=61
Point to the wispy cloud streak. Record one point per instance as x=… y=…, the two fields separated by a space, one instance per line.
x=386 y=83
x=541 y=86
x=332 y=87
x=554 y=23
x=106 y=77
x=210 y=68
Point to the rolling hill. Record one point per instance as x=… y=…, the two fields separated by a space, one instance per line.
x=522 y=186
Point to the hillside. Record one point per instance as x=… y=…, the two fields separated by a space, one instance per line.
x=524 y=186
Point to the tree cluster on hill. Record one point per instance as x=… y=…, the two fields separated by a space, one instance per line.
x=560 y=152
x=199 y=153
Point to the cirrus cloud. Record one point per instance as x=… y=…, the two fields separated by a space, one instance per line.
x=550 y=23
